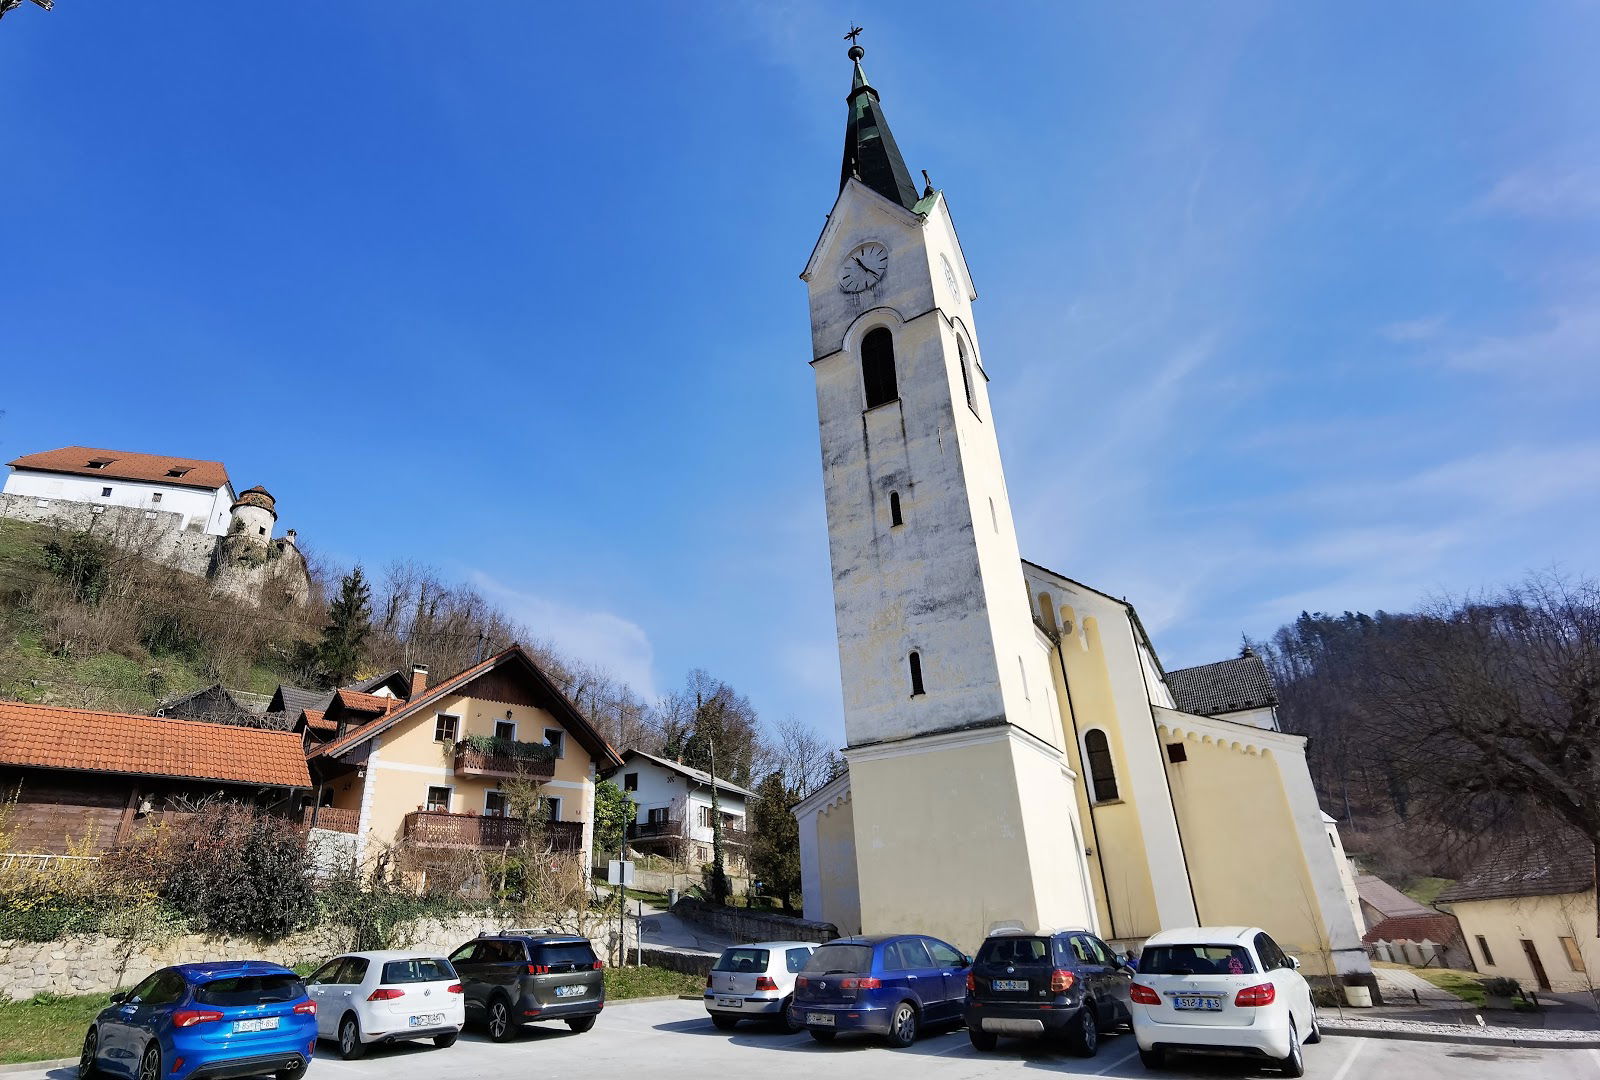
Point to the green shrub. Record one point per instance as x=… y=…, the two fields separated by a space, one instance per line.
x=511 y=748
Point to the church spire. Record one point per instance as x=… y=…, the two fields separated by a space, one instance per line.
x=870 y=153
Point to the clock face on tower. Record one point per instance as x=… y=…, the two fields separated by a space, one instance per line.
x=864 y=267
x=950 y=279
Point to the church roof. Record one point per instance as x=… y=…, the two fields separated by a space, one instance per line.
x=1224 y=687
x=1546 y=864
x=1385 y=898
x=870 y=153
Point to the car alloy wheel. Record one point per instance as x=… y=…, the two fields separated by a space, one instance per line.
x=91 y=1048
x=150 y=1064
x=499 y=1020
x=903 y=1025
x=1295 y=1063
x=1083 y=1037
x=350 y=1044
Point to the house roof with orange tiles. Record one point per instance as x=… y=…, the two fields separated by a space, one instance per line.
x=516 y=656
x=83 y=740
x=126 y=465
x=316 y=721
x=355 y=701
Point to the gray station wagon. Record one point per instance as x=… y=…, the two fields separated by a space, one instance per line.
x=513 y=979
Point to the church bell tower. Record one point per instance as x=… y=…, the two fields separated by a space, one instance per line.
x=964 y=805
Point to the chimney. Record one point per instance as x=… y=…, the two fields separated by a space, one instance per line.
x=419 y=679
x=290 y=536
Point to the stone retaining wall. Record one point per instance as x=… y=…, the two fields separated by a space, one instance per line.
x=742 y=925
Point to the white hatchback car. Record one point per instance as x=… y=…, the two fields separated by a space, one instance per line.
x=1221 y=990
x=755 y=982
x=385 y=997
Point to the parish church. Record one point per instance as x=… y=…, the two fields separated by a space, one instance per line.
x=1015 y=749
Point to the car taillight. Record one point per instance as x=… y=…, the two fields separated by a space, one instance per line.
x=1061 y=981
x=708 y=980
x=599 y=965
x=186 y=1018
x=866 y=982
x=1264 y=994
x=1143 y=995
x=802 y=982
x=972 y=983
x=385 y=993
x=453 y=988
x=309 y=1008
x=765 y=983
x=538 y=969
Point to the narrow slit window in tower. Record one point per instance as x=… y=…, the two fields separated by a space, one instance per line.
x=1101 y=772
x=894 y=509
x=877 y=367
x=966 y=376
x=915 y=660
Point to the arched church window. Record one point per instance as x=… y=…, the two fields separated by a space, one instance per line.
x=966 y=375
x=1101 y=774
x=877 y=367
x=915 y=660
x=894 y=509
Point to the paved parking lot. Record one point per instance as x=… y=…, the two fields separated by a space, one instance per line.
x=673 y=1040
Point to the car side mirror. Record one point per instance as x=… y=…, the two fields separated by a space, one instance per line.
x=966 y=961
x=119 y=997
x=1294 y=963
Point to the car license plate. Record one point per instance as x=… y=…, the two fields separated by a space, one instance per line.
x=571 y=991
x=730 y=1003
x=1204 y=1004
x=427 y=1019
x=265 y=1023
x=825 y=1019
x=1009 y=984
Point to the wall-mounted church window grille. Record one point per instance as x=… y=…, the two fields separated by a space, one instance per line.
x=877 y=367
x=1101 y=772
x=894 y=509
x=966 y=376
x=915 y=662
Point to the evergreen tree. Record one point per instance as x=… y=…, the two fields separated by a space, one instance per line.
x=612 y=812
x=349 y=623
x=775 y=845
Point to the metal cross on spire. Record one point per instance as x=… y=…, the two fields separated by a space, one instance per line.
x=855 y=32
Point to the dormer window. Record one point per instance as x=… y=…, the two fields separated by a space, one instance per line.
x=100 y=462
x=179 y=472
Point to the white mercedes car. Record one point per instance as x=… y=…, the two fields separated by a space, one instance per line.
x=386 y=997
x=755 y=982
x=1221 y=990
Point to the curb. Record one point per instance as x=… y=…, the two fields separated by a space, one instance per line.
x=610 y=1002
x=30 y=1066
x=1466 y=1038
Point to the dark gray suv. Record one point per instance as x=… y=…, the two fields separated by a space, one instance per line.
x=512 y=979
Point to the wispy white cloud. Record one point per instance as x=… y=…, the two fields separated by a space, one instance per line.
x=618 y=645
x=1559 y=191
x=1567 y=339
x=1424 y=329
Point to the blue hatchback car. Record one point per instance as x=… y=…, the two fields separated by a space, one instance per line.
x=888 y=984
x=205 y=1022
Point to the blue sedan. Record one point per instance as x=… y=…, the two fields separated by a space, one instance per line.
x=888 y=984
x=205 y=1022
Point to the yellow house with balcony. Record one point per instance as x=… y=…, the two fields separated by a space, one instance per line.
x=430 y=776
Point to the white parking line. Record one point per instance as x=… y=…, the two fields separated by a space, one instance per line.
x=1124 y=1059
x=1344 y=1070
x=1596 y=1055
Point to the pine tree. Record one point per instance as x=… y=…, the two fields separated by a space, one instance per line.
x=349 y=623
x=775 y=847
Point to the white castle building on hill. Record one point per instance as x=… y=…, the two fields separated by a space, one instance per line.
x=179 y=511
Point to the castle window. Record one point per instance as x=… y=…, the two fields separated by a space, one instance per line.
x=915 y=660
x=1101 y=774
x=105 y=493
x=156 y=497
x=877 y=367
x=262 y=530
x=894 y=509
x=994 y=518
x=966 y=376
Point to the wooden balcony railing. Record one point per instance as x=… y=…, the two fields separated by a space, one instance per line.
x=435 y=828
x=331 y=818
x=478 y=763
x=655 y=830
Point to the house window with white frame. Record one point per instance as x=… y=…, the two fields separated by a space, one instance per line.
x=552 y=807
x=495 y=804
x=439 y=799
x=505 y=729
x=445 y=727
x=556 y=739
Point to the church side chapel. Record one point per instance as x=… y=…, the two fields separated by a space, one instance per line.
x=1015 y=749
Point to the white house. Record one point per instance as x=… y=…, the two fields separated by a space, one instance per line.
x=198 y=490
x=673 y=808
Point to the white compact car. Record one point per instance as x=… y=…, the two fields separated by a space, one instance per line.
x=1221 y=990
x=755 y=982
x=385 y=997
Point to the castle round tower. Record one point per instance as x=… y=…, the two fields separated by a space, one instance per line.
x=254 y=514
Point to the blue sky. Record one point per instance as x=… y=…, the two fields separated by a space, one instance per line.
x=1286 y=305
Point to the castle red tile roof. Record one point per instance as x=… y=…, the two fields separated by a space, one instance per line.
x=125 y=465
x=47 y=737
